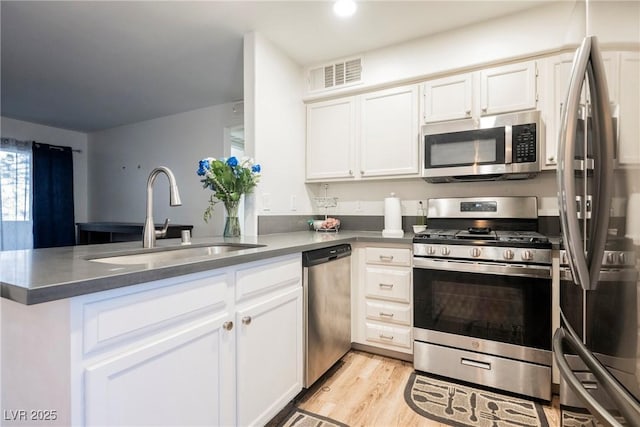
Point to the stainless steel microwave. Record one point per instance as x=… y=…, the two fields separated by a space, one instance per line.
x=505 y=146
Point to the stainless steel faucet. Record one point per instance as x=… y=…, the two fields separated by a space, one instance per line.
x=150 y=233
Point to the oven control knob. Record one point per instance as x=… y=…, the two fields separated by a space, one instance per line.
x=431 y=250
x=622 y=258
x=527 y=255
x=445 y=251
x=609 y=258
x=507 y=254
x=475 y=252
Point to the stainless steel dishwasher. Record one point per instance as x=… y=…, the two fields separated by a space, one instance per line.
x=327 y=308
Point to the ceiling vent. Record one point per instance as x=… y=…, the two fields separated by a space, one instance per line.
x=340 y=74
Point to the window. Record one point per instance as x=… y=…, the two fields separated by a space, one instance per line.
x=15 y=192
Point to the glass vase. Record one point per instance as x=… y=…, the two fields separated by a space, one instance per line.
x=232 y=223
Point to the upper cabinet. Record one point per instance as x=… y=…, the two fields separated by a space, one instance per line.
x=489 y=91
x=629 y=96
x=331 y=138
x=370 y=135
x=389 y=132
x=623 y=83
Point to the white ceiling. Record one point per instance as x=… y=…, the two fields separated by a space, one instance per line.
x=87 y=65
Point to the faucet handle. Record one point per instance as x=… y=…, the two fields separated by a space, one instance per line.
x=161 y=234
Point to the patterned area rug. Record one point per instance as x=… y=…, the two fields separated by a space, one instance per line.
x=300 y=418
x=582 y=418
x=461 y=405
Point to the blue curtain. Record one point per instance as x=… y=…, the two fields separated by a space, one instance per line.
x=53 y=218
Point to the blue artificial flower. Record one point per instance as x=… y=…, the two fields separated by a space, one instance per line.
x=232 y=161
x=255 y=168
x=203 y=166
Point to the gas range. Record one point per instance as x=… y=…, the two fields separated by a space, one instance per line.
x=484 y=229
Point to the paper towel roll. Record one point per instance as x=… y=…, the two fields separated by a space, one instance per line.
x=392 y=217
x=633 y=218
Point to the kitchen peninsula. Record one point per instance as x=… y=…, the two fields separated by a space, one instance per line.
x=181 y=342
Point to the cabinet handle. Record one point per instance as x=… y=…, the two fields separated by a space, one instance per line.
x=383 y=314
x=552 y=159
x=386 y=337
x=228 y=325
x=484 y=109
x=246 y=320
x=361 y=172
x=350 y=172
x=468 y=112
x=386 y=258
x=386 y=285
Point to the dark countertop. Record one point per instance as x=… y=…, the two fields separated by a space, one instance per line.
x=35 y=276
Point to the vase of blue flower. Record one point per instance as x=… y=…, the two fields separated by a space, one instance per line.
x=228 y=179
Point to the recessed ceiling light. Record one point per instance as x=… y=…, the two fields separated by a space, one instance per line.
x=344 y=8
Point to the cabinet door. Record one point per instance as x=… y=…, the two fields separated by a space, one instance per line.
x=331 y=136
x=269 y=356
x=389 y=132
x=448 y=98
x=508 y=88
x=183 y=378
x=629 y=96
x=560 y=74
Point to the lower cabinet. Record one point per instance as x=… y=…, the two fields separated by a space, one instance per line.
x=382 y=298
x=217 y=348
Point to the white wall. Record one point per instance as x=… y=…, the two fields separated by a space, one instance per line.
x=544 y=30
x=122 y=158
x=27 y=131
x=275 y=127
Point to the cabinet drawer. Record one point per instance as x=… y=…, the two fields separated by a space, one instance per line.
x=262 y=277
x=110 y=320
x=393 y=285
x=388 y=256
x=399 y=336
x=388 y=312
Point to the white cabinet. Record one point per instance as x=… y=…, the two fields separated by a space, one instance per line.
x=269 y=339
x=217 y=348
x=508 y=88
x=448 y=98
x=389 y=132
x=629 y=102
x=331 y=139
x=155 y=354
x=623 y=83
x=382 y=302
x=489 y=91
x=372 y=135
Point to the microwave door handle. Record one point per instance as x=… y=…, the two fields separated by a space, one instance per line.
x=603 y=161
x=565 y=174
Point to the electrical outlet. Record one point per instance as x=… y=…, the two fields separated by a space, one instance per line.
x=358 y=206
x=293 y=202
x=266 y=202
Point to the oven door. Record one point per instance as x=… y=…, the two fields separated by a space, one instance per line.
x=505 y=307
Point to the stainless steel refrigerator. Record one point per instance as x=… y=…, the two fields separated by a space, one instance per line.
x=597 y=347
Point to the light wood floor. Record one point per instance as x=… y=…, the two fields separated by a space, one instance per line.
x=368 y=390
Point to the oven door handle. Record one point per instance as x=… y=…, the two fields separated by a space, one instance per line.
x=623 y=401
x=537 y=271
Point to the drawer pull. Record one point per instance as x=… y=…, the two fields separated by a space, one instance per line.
x=386 y=258
x=476 y=364
x=386 y=337
x=246 y=320
x=227 y=326
x=386 y=285
x=383 y=314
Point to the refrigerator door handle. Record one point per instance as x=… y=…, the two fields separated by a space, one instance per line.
x=603 y=153
x=565 y=174
x=619 y=396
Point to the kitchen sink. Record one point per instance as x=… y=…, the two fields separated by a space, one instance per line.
x=173 y=254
